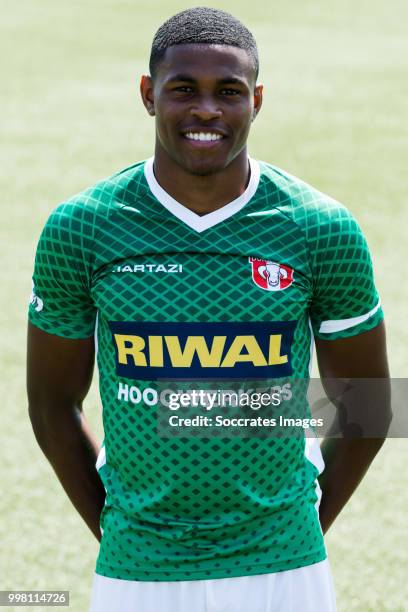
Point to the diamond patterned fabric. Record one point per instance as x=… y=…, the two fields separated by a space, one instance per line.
x=188 y=507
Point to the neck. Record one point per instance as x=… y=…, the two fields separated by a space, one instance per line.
x=202 y=194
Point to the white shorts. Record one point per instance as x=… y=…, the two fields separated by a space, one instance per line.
x=307 y=589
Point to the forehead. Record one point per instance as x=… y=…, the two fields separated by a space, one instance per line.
x=206 y=61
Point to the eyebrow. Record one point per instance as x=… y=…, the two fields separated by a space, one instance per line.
x=188 y=79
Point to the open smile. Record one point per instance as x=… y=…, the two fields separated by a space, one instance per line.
x=203 y=138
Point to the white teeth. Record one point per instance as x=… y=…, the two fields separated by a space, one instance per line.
x=203 y=136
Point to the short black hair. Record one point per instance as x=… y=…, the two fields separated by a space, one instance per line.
x=202 y=25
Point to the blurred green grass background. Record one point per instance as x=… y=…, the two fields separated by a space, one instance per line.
x=335 y=114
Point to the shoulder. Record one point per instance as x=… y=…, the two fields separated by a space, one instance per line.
x=318 y=215
x=86 y=211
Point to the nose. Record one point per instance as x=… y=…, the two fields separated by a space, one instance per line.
x=206 y=108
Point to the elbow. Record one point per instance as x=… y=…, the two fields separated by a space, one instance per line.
x=39 y=425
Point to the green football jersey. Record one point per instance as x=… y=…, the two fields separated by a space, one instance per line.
x=178 y=299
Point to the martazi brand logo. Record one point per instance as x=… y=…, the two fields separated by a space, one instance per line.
x=149 y=267
x=149 y=351
x=270 y=275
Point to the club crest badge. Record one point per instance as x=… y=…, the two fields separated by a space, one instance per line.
x=270 y=275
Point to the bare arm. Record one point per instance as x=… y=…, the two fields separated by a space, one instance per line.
x=348 y=458
x=59 y=373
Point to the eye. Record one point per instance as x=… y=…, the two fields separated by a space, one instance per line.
x=228 y=91
x=183 y=89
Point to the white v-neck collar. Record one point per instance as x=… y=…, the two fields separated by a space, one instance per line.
x=190 y=218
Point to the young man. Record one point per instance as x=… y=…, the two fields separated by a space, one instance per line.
x=200 y=264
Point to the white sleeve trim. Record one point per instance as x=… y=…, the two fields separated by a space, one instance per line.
x=101 y=460
x=96 y=333
x=336 y=325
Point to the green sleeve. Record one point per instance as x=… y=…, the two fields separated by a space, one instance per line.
x=61 y=302
x=345 y=300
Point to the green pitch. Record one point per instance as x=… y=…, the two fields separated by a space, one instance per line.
x=334 y=115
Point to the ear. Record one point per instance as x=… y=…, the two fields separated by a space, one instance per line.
x=146 y=91
x=258 y=97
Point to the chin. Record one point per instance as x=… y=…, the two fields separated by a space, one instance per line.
x=202 y=171
x=204 y=167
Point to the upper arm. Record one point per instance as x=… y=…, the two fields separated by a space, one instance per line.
x=360 y=356
x=58 y=369
x=61 y=314
x=355 y=378
x=347 y=321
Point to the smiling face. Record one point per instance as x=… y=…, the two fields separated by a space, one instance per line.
x=204 y=98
